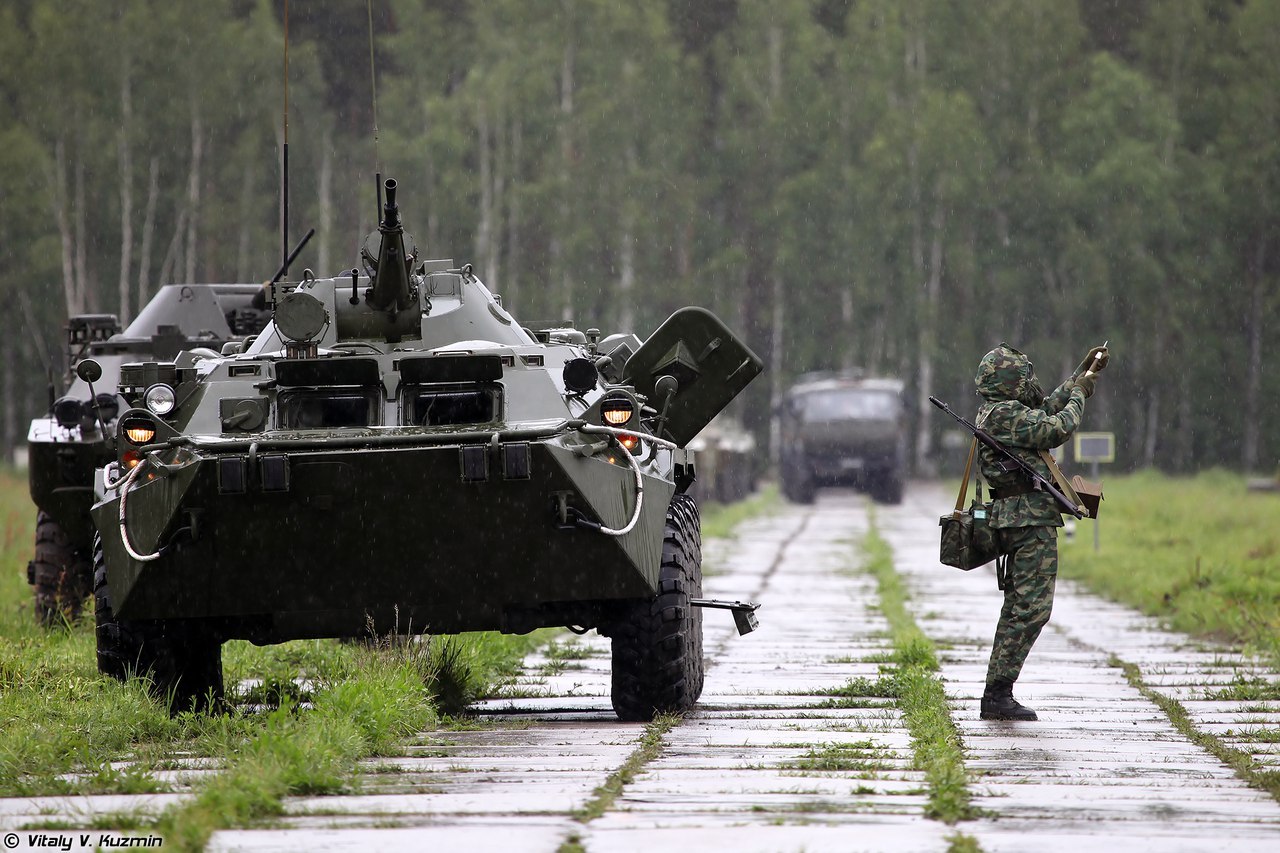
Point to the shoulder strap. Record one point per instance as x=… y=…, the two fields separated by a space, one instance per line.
x=964 y=483
x=1058 y=478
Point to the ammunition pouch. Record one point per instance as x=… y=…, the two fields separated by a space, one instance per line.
x=968 y=540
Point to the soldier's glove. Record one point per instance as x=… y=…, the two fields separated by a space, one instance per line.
x=1099 y=353
x=1085 y=383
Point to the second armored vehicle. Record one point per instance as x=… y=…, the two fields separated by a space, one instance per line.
x=67 y=443
x=395 y=450
x=843 y=429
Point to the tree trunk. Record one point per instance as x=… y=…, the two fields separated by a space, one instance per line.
x=148 y=233
x=325 y=231
x=193 y=194
x=70 y=293
x=927 y=338
x=126 y=194
x=494 y=259
x=170 y=261
x=627 y=250
x=484 y=228
x=559 y=252
x=87 y=299
x=9 y=404
x=1253 y=370
x=244 y=240
x=512 y=286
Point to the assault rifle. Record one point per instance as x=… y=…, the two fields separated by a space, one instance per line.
x=1010 y=462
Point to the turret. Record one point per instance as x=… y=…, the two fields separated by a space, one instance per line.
x=388 y=309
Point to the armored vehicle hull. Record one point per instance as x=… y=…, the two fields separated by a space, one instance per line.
x=395 y=453
x=68 y=443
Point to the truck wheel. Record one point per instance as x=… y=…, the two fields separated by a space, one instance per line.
x=657 y=648
x=886 y=486
x=797 y=484
x=181 y=660
x=61 y=574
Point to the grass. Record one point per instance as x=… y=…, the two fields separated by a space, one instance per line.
x=1241 y=762
x=1200 y=553
x=719 y=520
x=856 y=757
x=649 y=748
x=935 y=742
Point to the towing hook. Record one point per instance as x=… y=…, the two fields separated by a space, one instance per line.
x=744 y=612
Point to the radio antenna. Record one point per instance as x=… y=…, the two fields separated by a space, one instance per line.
x=373 y=86
x=284 y=172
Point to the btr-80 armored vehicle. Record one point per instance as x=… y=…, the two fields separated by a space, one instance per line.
x=395 y=450
x=843 y=430
x=67 y=443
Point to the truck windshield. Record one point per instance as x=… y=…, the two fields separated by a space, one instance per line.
x=850 y=405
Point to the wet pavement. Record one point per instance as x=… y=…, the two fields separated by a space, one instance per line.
x=771 y=761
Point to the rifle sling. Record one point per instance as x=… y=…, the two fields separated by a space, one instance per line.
x=964 y=482
x=1063 y=485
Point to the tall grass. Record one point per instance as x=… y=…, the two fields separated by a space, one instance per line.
x=1201 y=553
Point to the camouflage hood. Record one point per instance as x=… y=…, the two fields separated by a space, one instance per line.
x=1007 y=374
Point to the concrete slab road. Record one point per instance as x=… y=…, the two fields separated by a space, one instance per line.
x=774 y=759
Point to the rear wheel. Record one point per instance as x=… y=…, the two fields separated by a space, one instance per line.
x=886 y=486
x=61 y=574
x=797 y=483
x=657 y=647
x=181 y=659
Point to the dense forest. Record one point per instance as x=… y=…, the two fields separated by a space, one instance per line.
x=892 y=184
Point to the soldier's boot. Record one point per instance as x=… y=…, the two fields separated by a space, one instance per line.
x=998 y=703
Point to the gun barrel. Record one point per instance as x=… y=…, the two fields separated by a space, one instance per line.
x=391 y=288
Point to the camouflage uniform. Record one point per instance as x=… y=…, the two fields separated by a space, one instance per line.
x=1018 y=415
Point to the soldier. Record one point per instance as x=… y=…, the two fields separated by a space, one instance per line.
x=1017 y=413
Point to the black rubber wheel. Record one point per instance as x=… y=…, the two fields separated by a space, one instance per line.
x=797 y=483
x=657 y=649
x=886 y=486
x=181 y=659
x=61 y=574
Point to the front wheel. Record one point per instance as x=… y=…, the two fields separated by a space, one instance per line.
x=181 y=659
x=657 y=646
x=887 y=486
x=61 y=574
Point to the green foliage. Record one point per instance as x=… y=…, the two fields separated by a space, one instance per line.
x=719 y=520
x=1201 y=553
x=896 y=185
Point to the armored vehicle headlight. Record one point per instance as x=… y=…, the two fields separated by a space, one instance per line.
x=160 y=399
x=617 y=410
x=139 y=430
x=108 y=406
x=66 y=411
x=130 y=459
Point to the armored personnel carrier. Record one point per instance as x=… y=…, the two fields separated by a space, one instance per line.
x=843 y=430
x=67 y=443
x=395 y=450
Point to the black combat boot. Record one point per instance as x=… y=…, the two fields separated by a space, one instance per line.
x=998 y=703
